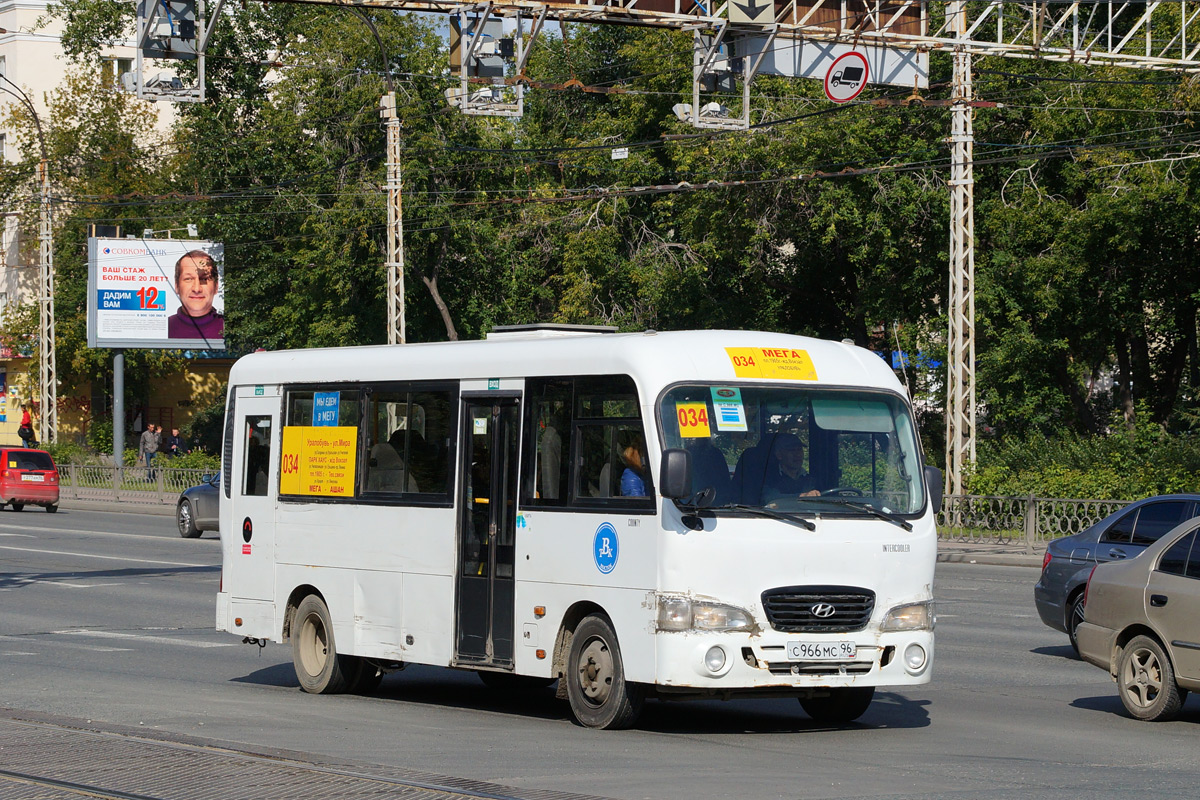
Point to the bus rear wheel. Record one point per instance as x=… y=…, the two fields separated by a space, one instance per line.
x=319 y=668
x=599 y=695
x=841 y=706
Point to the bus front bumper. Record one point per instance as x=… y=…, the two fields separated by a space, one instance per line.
x=727 y=664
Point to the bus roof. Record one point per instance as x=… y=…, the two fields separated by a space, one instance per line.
x=653 y=359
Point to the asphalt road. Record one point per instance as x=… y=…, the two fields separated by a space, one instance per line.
x=108 y=618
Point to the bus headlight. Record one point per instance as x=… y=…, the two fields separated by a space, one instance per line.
x=911 y=617
x=684 y=613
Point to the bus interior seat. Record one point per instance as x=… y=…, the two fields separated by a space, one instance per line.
x=753 y=466
x=710 y=469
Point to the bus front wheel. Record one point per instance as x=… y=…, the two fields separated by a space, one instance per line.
x=600 y=696
x=841 y=706
x=319 y=668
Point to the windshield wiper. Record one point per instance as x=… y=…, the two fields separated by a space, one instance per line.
x=862 y=505
x=782 y=516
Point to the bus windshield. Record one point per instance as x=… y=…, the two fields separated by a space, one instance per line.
x=797 y=449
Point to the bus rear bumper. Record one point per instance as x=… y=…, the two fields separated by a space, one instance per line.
x=252 y=618
x=727 y=664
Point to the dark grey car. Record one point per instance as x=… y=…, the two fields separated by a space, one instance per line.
x=198 y=508
x=1122 y=535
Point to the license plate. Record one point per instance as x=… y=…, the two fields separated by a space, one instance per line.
x=821 y=651
x=34 y=478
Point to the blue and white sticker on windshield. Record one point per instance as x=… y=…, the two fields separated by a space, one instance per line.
x=606 y=548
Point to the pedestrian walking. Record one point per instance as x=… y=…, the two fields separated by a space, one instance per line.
x=25 y=431
x=148 y=448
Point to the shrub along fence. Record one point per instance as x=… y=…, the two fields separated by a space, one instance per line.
x=1029 y=522
x=155 y=486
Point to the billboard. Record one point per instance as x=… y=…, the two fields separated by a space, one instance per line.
x=156 y=293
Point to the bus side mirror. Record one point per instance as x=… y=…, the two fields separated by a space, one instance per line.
x=933 y=479
x=675 y=474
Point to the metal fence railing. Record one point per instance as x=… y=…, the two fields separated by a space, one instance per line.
x=1028 y=522
x=159 y=485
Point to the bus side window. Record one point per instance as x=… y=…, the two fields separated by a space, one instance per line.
x=256 y=460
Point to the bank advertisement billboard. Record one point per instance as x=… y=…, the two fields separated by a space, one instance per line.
x=156 y=293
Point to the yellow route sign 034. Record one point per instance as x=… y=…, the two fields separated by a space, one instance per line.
x=318 y=461
x=772 y=362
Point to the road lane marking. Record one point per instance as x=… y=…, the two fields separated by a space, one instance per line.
x=106 y=558
x=141 y=638
x=22 y=535
x=169 y=532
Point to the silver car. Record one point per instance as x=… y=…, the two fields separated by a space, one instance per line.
x=1122 y=535
x=198 y=507
x=1142 y=624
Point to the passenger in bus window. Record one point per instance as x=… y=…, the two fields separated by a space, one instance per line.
x=633 y=483
x=789 y=479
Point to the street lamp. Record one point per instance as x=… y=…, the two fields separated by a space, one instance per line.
x=48 y=373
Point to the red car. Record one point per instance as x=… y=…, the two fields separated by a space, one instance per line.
x=28 y=477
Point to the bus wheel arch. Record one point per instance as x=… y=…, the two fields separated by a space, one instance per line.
x=562 y=644
x=320 y=669
x=293 y=601
x=597 y=689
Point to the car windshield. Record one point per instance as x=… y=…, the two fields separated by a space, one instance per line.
x=797 y=449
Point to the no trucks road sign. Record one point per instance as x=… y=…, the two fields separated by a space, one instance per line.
x=846 y=77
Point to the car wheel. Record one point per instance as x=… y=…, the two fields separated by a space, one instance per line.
x=599 y=695
x=1074 y=617
x=18 y=506
x=1146 y=681
x=51 y=508
x=319 y=668
x=186 y=520
x=841 y=706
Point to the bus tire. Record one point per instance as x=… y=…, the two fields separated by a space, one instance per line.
x=599 y=695
x=842 y=706
x=319 y=668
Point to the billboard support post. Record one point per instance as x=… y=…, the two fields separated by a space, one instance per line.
x=118 y=407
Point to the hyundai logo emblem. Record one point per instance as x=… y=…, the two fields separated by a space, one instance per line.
x=823 y=610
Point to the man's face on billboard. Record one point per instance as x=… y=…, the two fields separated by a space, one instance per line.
x=197 y=285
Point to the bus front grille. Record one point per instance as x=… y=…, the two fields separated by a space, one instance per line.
x=818 y=609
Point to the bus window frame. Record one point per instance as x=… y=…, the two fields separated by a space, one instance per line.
x=361 y=496
x=574 y=502
x=444 y=499
x=809 y=386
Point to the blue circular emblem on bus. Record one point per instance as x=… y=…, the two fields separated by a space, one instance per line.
x=606 y=548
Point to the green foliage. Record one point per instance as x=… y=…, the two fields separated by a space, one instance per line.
x=204 y=432
x=100 y=435
x=196 y=459
x=1071 y=465
x=66 y=452
x=822 y=220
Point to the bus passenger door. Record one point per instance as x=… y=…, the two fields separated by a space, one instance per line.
x=254 y=486
x=487 y=530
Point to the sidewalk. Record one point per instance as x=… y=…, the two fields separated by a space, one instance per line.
x=948 y=552
x=995 y=554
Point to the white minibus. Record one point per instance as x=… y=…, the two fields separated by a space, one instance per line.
x=694 y=514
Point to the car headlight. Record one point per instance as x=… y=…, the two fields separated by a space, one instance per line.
x=911 y=617
x=684 y=613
